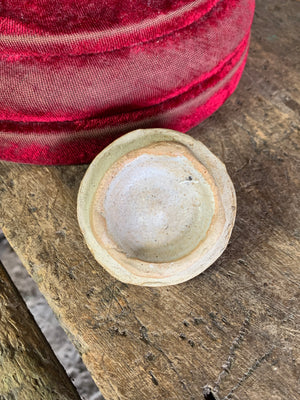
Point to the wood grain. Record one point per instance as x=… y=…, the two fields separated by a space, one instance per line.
x=230 y=333
x=28 y=367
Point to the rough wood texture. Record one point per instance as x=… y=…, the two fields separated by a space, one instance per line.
x=232 y=330
x=28 y=367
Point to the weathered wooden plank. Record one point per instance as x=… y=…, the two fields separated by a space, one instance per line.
x=28 y=367
x=233 y=330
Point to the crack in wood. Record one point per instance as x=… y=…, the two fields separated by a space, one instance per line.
x=210 y=393
x=154 y=380
x=235 y=344
x=249 y=372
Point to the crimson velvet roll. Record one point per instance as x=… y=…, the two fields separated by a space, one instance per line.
x=76 y=75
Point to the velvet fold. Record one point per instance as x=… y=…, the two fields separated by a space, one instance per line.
x=66 y=91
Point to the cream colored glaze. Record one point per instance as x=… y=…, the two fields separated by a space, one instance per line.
x=117 y=251
x=154 y=204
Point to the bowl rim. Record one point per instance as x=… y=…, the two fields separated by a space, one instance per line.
x=136 y=140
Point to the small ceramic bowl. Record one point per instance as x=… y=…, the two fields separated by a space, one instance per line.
x=156 y=207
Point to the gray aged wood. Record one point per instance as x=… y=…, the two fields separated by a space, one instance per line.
x=233 y=330
x=29 y=369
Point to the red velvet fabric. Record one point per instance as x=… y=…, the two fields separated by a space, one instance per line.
x=74 y=76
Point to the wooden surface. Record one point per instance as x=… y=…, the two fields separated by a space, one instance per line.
x=230 y=333
x=28 y=367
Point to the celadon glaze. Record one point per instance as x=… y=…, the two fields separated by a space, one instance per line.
x=156 y=207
